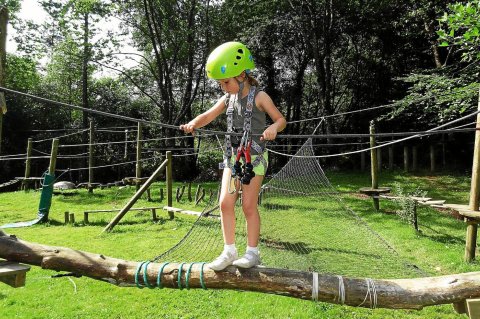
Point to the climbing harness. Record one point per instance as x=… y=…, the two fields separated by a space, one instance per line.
x=242 y=173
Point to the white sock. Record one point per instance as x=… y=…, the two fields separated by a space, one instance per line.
x=229 y=248
x=253 y=250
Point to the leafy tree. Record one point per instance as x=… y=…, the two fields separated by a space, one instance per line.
x=461 y=28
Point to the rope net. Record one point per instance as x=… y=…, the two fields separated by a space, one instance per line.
x=305 y=225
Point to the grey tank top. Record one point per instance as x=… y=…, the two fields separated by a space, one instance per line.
x=258 y=121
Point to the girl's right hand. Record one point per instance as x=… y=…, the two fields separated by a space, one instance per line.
x=188 y=128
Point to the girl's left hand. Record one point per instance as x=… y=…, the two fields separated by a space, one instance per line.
x=269 y=134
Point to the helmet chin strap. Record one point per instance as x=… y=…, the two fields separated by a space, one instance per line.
x=241 y=85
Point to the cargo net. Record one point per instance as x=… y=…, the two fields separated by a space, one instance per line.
x=305 y=225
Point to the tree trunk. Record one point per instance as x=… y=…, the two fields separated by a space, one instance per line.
x=357 y=292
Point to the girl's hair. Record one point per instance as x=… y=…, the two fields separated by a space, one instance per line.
x=252 y=81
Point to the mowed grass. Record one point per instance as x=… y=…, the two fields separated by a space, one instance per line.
x=438 y=249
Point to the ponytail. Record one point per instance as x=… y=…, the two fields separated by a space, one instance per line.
x=252 y=81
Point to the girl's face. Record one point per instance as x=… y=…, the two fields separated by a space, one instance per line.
x=229 y=85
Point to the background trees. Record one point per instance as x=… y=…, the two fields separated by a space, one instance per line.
x=314 y=57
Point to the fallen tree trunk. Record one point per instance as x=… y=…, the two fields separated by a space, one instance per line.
x=357 y=292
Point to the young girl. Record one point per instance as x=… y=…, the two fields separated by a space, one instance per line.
x=230 y=64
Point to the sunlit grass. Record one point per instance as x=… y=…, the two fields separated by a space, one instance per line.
x=438 y=249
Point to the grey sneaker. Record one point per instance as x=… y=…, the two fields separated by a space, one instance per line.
x=223 y=261
x=249 y=260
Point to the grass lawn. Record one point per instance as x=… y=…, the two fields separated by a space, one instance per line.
x=438 y=249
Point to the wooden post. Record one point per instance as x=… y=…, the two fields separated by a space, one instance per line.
x=379 y=159
x=374 y=163
x=53 y=156
x=390 y=157
x=169 y=179
x=138 y=166
x=66 y=217
x=28 y=164
x=414 y=158
x=3 y=61
x=432 y=158
x=125 y=154
x=135 y=197
x=71 y=217
x=189 y=191
x=362 y=157
x=471 y=240
x=90 y=157
x=406 y=156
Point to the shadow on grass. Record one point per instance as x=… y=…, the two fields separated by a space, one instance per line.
x=440 y=237
x=304 y=249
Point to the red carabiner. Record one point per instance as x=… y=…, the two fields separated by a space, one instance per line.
x=248 y=157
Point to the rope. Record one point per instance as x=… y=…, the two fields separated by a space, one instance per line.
x=137 y=271
x=202 y=282
x=315 y=286
x=170 y=126
x=58 y=137
x=187 y=276
x=159 y=276
x=145 y=273
x=371 y=293
x=434 y=130
x=341 y=290
x=179 y=278
x=421 y=99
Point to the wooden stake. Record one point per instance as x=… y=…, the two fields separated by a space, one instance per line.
x=432 y=158
x=406 y=156
x=138 y=165
x=53 y=156
x=390 y=157
x=3 y=60
x=374 y=163
x=28 y=164
x=169 y=179
x=90 y=157
x=414 y=158
x=471 y=240
x=135 y=197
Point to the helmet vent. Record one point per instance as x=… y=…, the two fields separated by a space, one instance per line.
x=240 y=51
x=238 y=57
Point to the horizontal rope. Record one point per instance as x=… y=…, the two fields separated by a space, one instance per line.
x=174 y=127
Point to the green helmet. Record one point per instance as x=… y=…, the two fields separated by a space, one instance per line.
x=229 y=60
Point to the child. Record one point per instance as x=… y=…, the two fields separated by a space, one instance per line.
x=230 y=64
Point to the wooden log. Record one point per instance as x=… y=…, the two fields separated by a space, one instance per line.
x=388 y=293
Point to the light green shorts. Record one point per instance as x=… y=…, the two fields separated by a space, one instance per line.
x=261 y=168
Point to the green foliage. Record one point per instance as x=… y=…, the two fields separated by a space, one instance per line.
x=408 y=206
x=435 y=98
x=21 y=73
x=460 y=27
